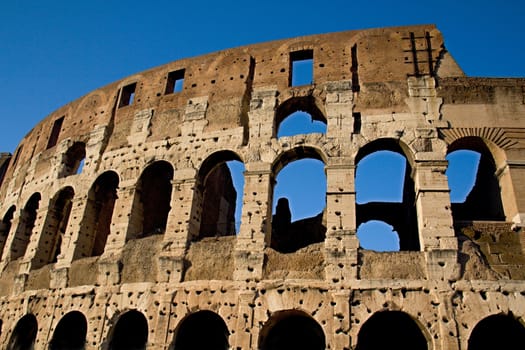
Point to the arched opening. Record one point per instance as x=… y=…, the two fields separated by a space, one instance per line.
x=291 y=329
x=394 y=330
x=54 y=228
x=300 y=123
x=220 y=187
x=299 y=115
x=378 y=235
x=70 y=333
x=73 y=160
x=471 y=165
x=201 y=330
x=299 y=201
x=24 y=334
x=5 y=227
x=25 y=227
x=497 y=332
x=385 y=193
x=151 y=204
x=96 y=223
x=130 y=332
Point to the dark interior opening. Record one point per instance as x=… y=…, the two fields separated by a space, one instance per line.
x=219 y=196
x=391 y=330
x=70 y=333
x=130 y=332
x=5 y=227
x=24 y=334
x=497 y=332
x=55 y=132
x=152 y=203
x=292 y=330
x=25 y=227
x=175 y=81
x=202 y=330
x=73 y=159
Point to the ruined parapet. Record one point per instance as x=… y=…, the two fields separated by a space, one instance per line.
x=117 y=209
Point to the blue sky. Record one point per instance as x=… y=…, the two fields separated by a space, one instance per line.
x=55 y=51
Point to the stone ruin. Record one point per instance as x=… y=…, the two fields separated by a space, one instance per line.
x=117 y=210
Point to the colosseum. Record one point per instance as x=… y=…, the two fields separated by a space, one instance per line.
x=117 y=210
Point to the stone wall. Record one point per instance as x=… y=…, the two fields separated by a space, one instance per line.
x=105 y=204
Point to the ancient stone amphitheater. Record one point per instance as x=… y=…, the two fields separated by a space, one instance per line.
x=117 y=210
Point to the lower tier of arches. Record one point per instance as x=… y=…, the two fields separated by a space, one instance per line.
x=270 y=314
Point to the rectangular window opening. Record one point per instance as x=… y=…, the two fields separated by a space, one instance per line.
x=175 y=81
x=301 y=67
x=128 y=95
x=55 y=132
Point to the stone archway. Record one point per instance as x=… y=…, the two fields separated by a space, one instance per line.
x=497 y=332
x=292 y=329
x=393 y=330
x=201 y=330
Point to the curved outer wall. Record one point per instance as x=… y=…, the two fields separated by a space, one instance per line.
x=395 y=84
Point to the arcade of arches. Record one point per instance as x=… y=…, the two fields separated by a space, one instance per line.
x=223 y=202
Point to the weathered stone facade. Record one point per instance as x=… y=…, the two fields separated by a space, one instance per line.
x=107 y=227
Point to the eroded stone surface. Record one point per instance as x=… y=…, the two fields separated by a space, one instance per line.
x=114 y=248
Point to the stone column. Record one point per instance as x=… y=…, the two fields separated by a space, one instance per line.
x=435 y=225
x=340 y=337
x=181 y=226
x=448 y=328
x=120 y=223
x=339 y=106
x=256 y=218
x=256 y=222
x=513 y=190
x=109 y=265
x=6 y=255
x=262 y=113
x=32 y=246
x=245 y=323
x=341 y=242
x=70 y=241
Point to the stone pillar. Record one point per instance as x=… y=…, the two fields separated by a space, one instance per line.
x=341 y=242
x=256 y=222
x=26 y=260
x=162 y=338
x=120 y=223
x=435 y=225
x=423 y=101
x=340 y=337
x=194 y=120
x=38 y=236
x=513 y=191
x=70 y=249
x=181 y=226
x=262 y=113
x=6 y=255
x=59 y=274
x=140 y=127
x=448 y=328
x=110 y=266
x=98 y=139
x=339 y=105
x=245 y=323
